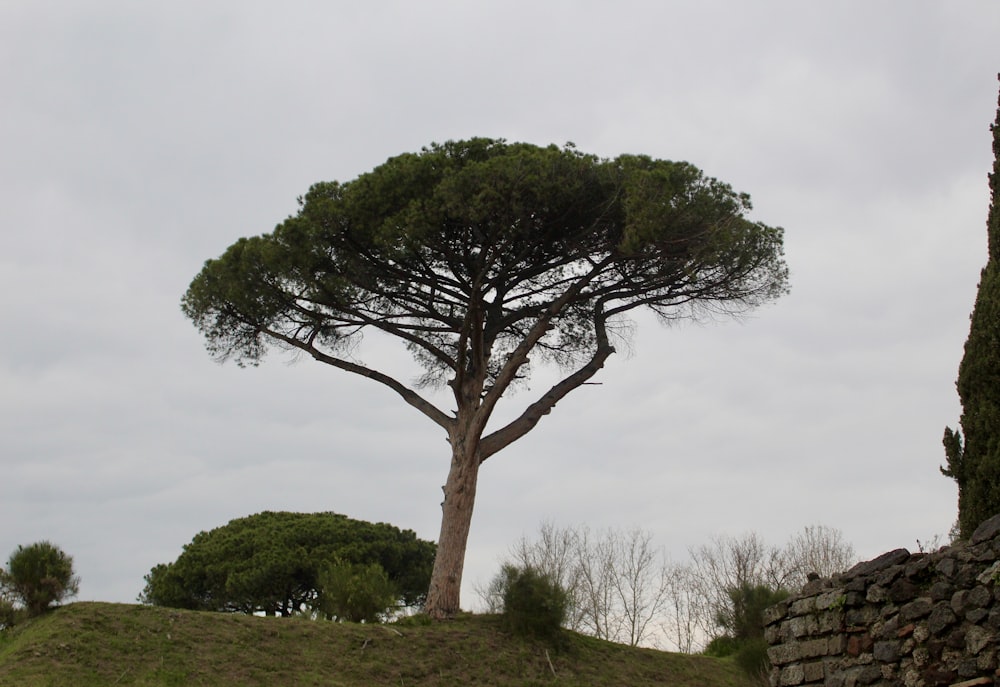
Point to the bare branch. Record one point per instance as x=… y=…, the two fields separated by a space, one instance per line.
x=543 y=406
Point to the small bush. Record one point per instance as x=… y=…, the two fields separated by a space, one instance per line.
x=721 y=646
x=533 y=603
x=356 y=593
x=751 y=657
x=9 y=613
x=415 y=620
x=39 y=576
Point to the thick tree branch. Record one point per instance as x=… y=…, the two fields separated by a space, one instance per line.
x=516 y=429
x=519 y=356
x=439 y=417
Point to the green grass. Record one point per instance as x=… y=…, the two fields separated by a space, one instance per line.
x=101 y=644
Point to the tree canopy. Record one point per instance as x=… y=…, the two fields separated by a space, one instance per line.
x=272 y=563
x=38 y=576
x=480 y=256
x=975 y=462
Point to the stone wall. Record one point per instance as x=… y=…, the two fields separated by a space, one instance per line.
x=919 y=620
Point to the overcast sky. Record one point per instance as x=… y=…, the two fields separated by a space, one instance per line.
x=138 y=140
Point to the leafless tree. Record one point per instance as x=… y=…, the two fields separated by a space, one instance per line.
x=679 y=623
x=640 y=584
x=816 y=549
x=554 y=554
x=624 y=589
x=728 y=563
x=616 y=580
x=594 y=596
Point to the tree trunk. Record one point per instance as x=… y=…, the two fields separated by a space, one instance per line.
x=456 y=519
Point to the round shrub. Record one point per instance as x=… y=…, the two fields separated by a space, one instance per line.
x=40 y=575
x=533 y=603
x=8 y=611
x=721 y=646
x=356 y=593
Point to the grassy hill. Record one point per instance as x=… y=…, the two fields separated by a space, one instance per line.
x=91 y=644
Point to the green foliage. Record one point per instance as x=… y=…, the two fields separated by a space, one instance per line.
x=355 y=593
x=534 y=604
x=37 y=576
x=415 y=620
x=744 y=617
x=751 y=657
x=271 y=563
x=743 y=621
x=405 y=244
x=9 y=613
x=973 y=460
x=721 y=646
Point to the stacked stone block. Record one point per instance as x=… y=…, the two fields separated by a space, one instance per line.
x=917 y=620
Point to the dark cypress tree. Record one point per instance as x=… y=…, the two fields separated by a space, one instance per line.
x=974 y=459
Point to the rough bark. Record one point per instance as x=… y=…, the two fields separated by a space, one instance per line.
x=470 y=449
x=456 y=520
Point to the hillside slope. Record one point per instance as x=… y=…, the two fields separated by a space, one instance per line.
x=86 y=644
